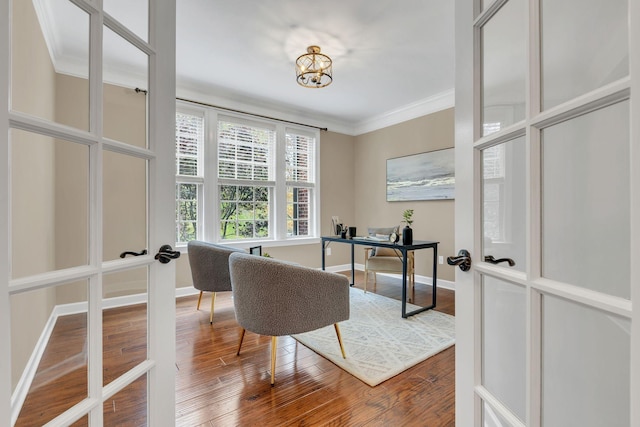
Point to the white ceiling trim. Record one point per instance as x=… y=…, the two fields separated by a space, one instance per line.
x=433 y=104
x=421 y=108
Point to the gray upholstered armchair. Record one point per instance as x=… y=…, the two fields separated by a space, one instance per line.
x=210 y=269
x=276 y=298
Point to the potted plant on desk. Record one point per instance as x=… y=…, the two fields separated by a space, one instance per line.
x=407 y=232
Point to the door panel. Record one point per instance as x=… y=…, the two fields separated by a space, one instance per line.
x=50 y=353
x=549 y=341
x=504 y=343
x=504 y=203
x=585 y=360
x=135 y=16
x=49 y=203
x=89 y=160
x=585 y=201
x=122 y=104
x=128 y=407
x=584 y=46
x=504 y=67
x=34 y=76
x=124 y=322
x=125 y=214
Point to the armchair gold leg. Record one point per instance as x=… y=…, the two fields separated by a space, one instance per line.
x=213 y=301
x=344 y=355
x=199 y=299
x=274 y=347
x=240 y=343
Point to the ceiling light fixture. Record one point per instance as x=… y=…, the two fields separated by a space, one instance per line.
x=313 y=69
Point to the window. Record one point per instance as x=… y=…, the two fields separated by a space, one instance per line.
x=300 y=182
x=258 y=182
x=189 y=174
x=245 y=180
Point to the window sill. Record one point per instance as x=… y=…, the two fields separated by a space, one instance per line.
x=246 y=244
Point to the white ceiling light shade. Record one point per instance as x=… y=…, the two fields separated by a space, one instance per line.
x=313 y=69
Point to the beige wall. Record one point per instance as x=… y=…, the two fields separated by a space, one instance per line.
x=433 y=220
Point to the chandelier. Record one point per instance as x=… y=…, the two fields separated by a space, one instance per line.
x=313 y=69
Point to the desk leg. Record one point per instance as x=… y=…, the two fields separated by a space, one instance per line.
x=323 y=255
x=353 y=268
x=404 y=284
x=435 y=274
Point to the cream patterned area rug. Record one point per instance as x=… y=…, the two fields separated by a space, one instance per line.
x=378 y=342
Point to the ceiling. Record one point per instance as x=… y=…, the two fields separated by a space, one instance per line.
x=392 y=59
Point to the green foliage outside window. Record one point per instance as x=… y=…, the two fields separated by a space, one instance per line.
x=187 y=212
x=244 y=212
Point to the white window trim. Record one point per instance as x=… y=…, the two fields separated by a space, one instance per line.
x=208 y=212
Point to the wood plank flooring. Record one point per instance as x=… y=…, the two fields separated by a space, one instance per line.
x=215 y=387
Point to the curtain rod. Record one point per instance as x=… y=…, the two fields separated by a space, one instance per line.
x=138 y=90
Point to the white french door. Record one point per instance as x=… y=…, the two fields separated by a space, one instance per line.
x=87 y=165
x=547 y=204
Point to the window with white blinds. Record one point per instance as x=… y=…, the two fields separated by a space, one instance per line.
x=189 y=138
x=189 y=174
x=245 y=179
x=300 y=177
x=257 y=184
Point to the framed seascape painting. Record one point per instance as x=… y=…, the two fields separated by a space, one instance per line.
x=424 y=176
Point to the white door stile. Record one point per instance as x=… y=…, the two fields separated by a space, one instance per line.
x=162 y=113
x=467 y=405
x=94 y=315
x=5 y=312
x=634 y=66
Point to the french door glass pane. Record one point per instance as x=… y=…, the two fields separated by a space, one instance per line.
x=125 y=204
x=584 y=46
x=504 y=343
x=585 y=201
x=504 y=202
x=486 y=3
x=133 y=14
x=504 y=63
x=125 y=67
x=129 y=406
x=124 y=321
x=49 y=80
x=585 y=366
x=49 y=204
x=49 y=350
x=491 y=418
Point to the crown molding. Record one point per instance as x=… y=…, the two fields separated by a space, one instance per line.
x=430 y=105
x=265 y=108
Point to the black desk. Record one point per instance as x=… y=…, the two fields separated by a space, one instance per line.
x=403 y=249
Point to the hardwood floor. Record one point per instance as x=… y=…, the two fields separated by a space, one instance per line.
x=215 y=387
